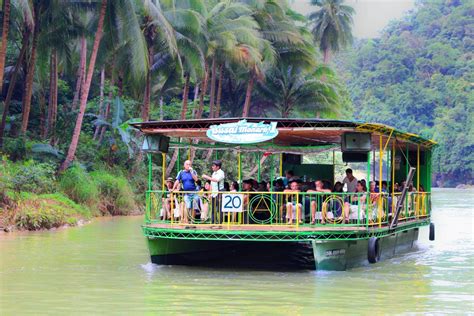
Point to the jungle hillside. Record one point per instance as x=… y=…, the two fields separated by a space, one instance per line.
x=418 y=77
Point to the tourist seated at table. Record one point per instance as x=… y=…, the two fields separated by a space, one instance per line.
x=278 y=185
x=165 y=211
x=338 y=186
x=204 y=199
x=262 y=187
x=293 y=202
x=226 y=186
x=350 y=181
x=289 y=174
x=396 y=187
x=234 y=186
x=318 y=202
x=373 y=190
x=384 y=186
x=355 y=205
x=247 y=187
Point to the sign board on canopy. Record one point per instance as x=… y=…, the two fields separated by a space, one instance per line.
x=243 y=132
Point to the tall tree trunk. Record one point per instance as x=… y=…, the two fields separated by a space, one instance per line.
x=50 y=101
x=43 y=115
x=54 y=115
x=3 y=49
x=81 y=72
x=213 y=112
x=109 y=102
x=203 y=92
x=11 y=86
x=170 y=166
x=53 y=95
x=213 y=88
x=147 y=96
x=219 y=91
x=248 y=96
x=120 y=84
x=101 y=101
x=326 y=56
x=192 y=152
x=255 y=168
x=29 y=77
x=184 y=109
x=195 y=100
x=161 y=108
x=85 y=91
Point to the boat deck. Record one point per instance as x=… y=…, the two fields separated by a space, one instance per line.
x=275 y=232
x=284 y=228
x=281 y=228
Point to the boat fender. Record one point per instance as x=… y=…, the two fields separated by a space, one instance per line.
x=432 y=231
x=373 y=252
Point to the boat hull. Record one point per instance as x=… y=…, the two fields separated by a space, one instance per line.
x=313 y=254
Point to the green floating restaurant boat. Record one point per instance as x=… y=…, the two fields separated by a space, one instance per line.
x=306 y=226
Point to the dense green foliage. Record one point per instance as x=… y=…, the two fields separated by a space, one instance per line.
x=31 y=197
x=79 y=186
x=116 y=196
x=418 y=77
x=77 y=72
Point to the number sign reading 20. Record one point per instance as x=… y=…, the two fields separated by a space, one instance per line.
x=232 y=202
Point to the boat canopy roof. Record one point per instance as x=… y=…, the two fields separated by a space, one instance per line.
x=294 y=135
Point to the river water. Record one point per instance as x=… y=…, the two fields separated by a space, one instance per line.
x=104 y=268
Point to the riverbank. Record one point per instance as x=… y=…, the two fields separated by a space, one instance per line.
x=30 y=212
x=33 y=197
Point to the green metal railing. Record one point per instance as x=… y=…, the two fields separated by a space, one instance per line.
x=283 y=209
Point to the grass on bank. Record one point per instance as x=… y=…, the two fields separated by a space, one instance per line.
x=32 y=197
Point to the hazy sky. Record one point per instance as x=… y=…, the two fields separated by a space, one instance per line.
x=371 y=16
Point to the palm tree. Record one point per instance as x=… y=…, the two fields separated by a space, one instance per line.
x=332 y=26
x=230 y=28
x=283 y=41
x=31 y=70
x=85 y=91
x=157 y=29
x=187 y=19
x=59 y=29
x=123 y=44
x=24 y=25
x=292 y=90
x=3 y=48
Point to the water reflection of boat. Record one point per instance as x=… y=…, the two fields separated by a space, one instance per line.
x=304 y=227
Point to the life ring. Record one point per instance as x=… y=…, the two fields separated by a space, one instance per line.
x=373 y=251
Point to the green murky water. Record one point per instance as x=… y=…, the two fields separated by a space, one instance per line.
x=103 y=268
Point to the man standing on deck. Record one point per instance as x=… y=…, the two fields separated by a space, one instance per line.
x=350 y=180
x=217 y=184
x=188 y=177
